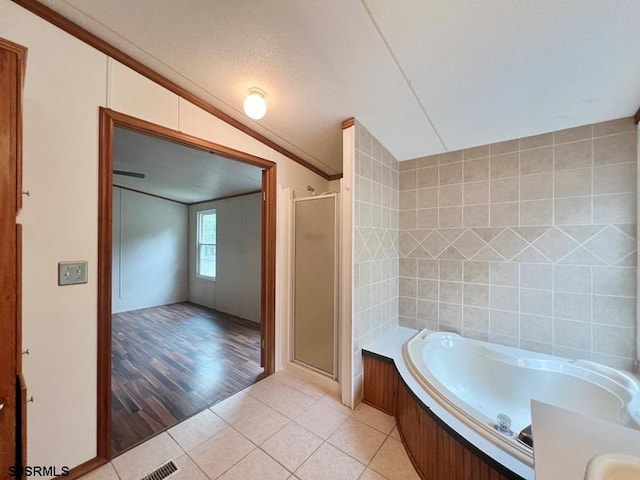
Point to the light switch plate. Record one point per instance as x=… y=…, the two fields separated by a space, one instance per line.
x=72 y=273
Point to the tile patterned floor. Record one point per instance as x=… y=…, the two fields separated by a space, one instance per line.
x=279 y=428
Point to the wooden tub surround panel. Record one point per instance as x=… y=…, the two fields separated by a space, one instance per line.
x=436 y=451
x=380 y=386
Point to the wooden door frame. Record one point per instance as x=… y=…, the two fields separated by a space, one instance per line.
x=13 y=414
x=109 y=120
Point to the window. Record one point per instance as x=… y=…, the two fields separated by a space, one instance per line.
x=207 y=244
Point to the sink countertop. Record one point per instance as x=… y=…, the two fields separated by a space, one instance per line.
x=565 y=441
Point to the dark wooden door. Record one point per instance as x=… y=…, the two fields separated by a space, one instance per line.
x=11 y=60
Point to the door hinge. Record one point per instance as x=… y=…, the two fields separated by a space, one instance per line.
x=264 y=196
x=262 y=343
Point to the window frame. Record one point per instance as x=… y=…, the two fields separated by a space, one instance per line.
x=199 y=223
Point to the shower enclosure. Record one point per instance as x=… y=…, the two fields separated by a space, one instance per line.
x=315 y=284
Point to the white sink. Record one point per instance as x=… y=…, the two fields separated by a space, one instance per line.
x=611 y=466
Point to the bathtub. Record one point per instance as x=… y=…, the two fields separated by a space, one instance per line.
x=477 y=381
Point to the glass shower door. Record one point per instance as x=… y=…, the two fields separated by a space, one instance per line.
x=314 y=293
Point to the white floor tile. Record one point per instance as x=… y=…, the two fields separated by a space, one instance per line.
x=218 y=454
x=146 y=457
x=300 y=384
x=235 y=407
x=188 y=470
x=292 y=445
x=321 y=419
x=354 y=439
x=281 y=397
x=256 y=465
x=261 y=424
x=195 y=430
x=374 y=418
x=369 y=474
x=392 y=462
x=334 y=401
x=266 y=390
x=292 y=402
x=329 y=463
x=358 y=440
x=105 y=472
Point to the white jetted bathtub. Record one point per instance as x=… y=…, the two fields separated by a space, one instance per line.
x=479 y=381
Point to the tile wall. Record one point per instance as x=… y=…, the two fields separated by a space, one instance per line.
x=375 y=244
x=529 y=243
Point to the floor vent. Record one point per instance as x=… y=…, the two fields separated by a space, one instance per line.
x=163 y=471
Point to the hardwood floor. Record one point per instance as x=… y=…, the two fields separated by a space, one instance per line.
x=173 y=361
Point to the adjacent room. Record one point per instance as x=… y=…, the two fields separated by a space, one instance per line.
x=186 y=283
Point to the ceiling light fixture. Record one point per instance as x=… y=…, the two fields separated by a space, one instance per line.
x=255 y=105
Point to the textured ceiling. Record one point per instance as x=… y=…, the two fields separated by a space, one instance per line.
x=180 y=173
x=422 y=76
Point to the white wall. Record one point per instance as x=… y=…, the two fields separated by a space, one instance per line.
x=66 y=82
x=236 y=289
x=150 y=251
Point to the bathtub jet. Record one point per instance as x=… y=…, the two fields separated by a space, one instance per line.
x=489 y=387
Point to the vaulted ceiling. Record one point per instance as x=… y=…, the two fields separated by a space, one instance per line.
x=423 y=76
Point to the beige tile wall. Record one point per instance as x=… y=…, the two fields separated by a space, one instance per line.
x=530 y=242
x=375 y=243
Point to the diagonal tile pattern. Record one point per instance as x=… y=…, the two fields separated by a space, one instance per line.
x=554 y=244
x=469 y=243
x=508 y=244
x=543 y=230
x=244 y=437
x=605 y=244
x=435 y=243
x=611 y=245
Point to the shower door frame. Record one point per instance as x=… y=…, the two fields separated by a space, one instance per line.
x=336 y=287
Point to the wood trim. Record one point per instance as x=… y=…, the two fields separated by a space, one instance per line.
x=268 y=294
x=636 y=117
x=19 y=50
x=134 y=124
x=105 y=227
x=96 y=42
x=337 y=176
x=11 y=69
x=225 y=197
x=18 y=299
x=109 y=120
x=21 y=53
x=349 y=122
x=150 y=194
x=83 y=469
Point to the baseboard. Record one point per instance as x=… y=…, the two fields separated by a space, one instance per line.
x=83 y=468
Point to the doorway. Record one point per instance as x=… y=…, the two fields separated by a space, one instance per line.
x=173 y=323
